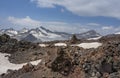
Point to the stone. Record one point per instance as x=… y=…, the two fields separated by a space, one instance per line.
x=28 y=67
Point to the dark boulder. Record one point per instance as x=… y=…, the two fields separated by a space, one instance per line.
x=63 y=63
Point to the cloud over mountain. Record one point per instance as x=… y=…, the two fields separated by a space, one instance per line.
x=106 y=8
x=28 y=22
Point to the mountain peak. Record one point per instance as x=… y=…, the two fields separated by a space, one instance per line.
x=30 y=38
x=44 y=34
x=88 y=34
x=92 y=32
x=24 y=30
x=45 y=29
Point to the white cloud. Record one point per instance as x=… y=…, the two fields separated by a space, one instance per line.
x=27 y=21
x=53 y=25
x=107 y=28
x=107 y=8
x=61 y=26
x=93 y=24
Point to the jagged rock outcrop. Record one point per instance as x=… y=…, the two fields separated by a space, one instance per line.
x=73 y=39
x=63 y=63
x=10 y=45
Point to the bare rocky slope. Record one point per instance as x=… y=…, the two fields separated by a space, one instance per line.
x=64 y=61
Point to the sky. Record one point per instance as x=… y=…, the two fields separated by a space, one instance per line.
x=73 y=16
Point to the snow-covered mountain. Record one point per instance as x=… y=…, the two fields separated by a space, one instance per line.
x=11 y=32
x=24 y=30
x=88 y=34
x=31 y=38
x=35 y=35
x=44 y=34
x=117 y=33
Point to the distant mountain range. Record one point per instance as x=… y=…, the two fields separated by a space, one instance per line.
x=43 y=34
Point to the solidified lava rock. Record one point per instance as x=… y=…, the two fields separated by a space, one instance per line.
x=63 y=63
x=72 y=62
x=73 y=39
x=10 y=45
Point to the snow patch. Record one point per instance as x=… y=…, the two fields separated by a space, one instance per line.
x=90 y=45
x=60 y=44
x=117 y=33
x=12 y=32
x=5 y=64
x=36 y=34
x=43 y=45
x=49 y=34
x=48 y=37
x=96 y=38
x=24 y=30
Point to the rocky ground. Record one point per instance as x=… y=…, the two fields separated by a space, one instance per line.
x=64 y=61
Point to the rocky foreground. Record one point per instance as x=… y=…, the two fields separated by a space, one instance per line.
x=63 y=61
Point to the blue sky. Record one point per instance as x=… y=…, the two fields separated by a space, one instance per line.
x=61 y=15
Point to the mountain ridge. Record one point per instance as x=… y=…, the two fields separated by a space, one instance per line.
x=44 y=34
